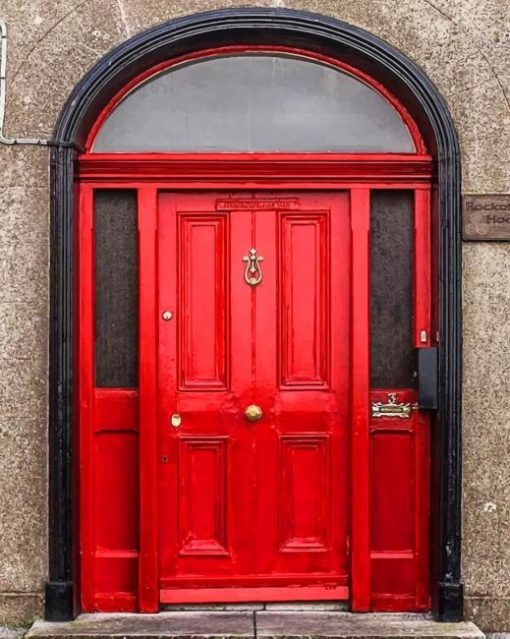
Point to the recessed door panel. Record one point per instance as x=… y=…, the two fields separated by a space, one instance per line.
x=304 y=279
x=304 y=467
x=253 y=395
x=201 y=495
x=202 y=261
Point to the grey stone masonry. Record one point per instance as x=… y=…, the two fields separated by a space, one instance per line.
x=255 y=623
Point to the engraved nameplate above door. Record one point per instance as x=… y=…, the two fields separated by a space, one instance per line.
x=257 y=204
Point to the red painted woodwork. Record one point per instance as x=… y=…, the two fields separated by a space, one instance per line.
x=108 y=445
x=127 y=565
x=399 y=507
x=395 y=170
x=360 y=336
x=221 y=509
x=422 y=270
x=124 y=566
x=251 y=48
x=86 y=397
x=261 y=504
x=148 y=522
x=239 y=594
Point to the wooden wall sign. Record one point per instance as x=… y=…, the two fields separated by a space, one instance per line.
x=486 y=217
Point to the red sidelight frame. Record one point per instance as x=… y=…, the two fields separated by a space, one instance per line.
x=148 y=173
x=148 y=596
x=360 y=400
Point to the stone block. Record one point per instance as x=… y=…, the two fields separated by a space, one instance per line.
x=24 y=215
x=491 y=613
x=23 y=478
x=213 y=625
x=366 y=626
x=24 y=167
x=486 y=427
x=23 y=330
x=10 y=632
x=19 y=609
x=60 y=55
x=24 y=271
x=23 y=387
x=487 y=25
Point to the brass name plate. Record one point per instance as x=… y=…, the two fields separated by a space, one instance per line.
x=486 y=218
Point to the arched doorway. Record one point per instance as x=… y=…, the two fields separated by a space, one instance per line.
x=250 y=429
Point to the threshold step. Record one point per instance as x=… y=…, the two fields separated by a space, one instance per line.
x=325 y=625
x=259 y=624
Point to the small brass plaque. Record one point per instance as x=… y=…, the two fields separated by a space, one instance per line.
x=252 y=204
x=486 y=218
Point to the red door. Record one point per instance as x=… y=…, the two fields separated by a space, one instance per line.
x=253 y=395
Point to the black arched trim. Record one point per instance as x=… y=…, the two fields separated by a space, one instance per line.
x=258 y=26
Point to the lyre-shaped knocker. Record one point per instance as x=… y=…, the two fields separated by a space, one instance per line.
x=253 y=272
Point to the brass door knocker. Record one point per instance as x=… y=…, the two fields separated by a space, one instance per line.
x=253 y=272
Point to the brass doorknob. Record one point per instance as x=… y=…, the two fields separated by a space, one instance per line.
x=253 y=413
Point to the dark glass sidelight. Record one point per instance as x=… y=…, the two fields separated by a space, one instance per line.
x=116 y=288
x=391 y=284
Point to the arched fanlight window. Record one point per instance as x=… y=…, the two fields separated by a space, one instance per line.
x=256 y=102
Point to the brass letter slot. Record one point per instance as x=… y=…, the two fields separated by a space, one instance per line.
x=391 y=409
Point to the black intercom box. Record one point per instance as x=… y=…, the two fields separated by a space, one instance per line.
x=427 y=378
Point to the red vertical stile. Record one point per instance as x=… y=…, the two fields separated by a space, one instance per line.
x=422 y=510
x=86 y=391
x=148 y=597
x=360 y=290
x=422 y=300
x=422 y=267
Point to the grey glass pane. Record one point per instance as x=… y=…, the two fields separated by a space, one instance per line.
x=116 y=289
x=391 y=283
x=254 y=103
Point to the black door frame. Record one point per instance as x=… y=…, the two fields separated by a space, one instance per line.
x=258 y=26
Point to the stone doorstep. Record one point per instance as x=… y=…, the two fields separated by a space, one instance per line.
x=202 y=624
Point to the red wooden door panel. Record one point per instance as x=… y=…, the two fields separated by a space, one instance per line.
x=301 y=355
x=262 y=505
x=205 y=507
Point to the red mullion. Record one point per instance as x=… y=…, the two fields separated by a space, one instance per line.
x=86 y=393
x=422 y=314
x=422 y=268
x=422 y=509
x=360 y=400
x=148 y=595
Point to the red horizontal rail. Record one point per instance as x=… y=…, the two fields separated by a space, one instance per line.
x=322 y=167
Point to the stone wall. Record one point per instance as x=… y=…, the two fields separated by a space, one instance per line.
x=463 y=45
